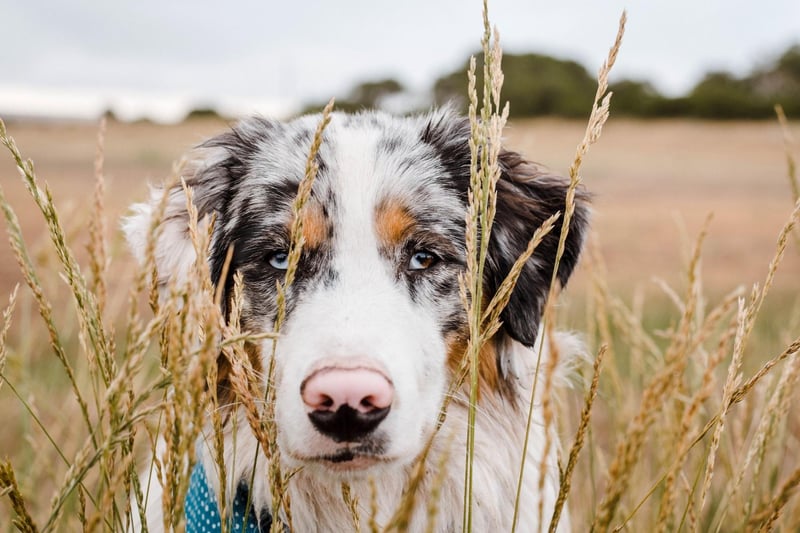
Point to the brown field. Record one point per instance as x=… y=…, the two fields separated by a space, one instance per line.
x=654 y=183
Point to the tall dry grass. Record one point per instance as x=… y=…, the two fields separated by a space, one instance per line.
x=689 y=425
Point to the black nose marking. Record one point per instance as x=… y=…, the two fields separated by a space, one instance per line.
x=346 y=424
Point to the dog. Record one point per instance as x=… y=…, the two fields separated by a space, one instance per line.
x=375 y=329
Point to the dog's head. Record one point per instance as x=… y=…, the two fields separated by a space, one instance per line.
x=375 y=327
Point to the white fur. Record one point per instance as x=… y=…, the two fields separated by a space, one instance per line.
x=315 y=493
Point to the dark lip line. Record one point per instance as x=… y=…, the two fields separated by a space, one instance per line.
x=337 y=458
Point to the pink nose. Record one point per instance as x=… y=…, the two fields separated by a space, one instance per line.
x=362 y=389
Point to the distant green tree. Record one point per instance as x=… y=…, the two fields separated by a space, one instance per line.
x=538 y=85
x=721 y=95
x=534 y=84
x=203 y=112
x=369 y=94
x=781 y=83
x=789 y=62
x=637 y=98
x=366 y=95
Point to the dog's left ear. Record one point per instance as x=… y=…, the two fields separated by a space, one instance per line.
x=527 y=195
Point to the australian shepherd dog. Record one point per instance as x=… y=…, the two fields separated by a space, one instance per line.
x=375 y=328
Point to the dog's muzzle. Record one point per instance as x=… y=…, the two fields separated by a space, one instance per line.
x=347 y=404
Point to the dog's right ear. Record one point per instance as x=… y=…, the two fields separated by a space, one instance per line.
x=213 y=173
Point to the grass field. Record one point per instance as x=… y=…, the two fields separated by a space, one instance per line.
x=654 y=184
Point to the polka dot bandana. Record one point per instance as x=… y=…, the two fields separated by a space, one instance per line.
x=202 y=512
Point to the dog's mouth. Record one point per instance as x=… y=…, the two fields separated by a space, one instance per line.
x=349 y=458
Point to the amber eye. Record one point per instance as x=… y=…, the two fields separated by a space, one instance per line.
x=278 y=260
x=421 y=260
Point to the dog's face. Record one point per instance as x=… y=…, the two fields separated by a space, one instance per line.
x=375 y=327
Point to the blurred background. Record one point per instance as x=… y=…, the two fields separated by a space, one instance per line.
x=692 y=132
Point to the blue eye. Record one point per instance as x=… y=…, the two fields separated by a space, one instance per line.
x=421 y=260
x=278 y=260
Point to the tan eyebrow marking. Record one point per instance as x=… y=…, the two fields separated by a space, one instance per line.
x=393 y=223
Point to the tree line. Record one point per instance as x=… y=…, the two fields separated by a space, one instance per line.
x=540 y=85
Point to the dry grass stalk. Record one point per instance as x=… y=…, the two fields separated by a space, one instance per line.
x=775 y=411
x=372 y=521
x=351 y=501
x=278 y=483
x=565 y=484
x=772 y=510
x=192 y=314
x=631 y=327
x=7 y=313
x=31 y=279
x=212 y=381
x=485 y=144
x=401 y=518
x=491 y=316
x=665 y=382
x=791 y=164
x=96 y=339
x=791 y=351
x=691 y=515
x=783 y=238
x=684 y=444
x=548 y=414
x=597 y=119
x=98 y=255
x=598 y=308
x=107 y=503
x=731 y=382
x=90 y=319
x=8 y=486
x=437 y=484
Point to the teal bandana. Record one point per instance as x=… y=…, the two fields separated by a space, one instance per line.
x=202 y=512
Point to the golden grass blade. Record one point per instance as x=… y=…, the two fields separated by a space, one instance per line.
x=577 y=444
x=8 y=486
x=597 y=119
x=727 y=394
x=351 y=501
x=90 y=317
x=401 y=519
x=791 y=164
x=485 y=144
x=773 y=509
x=662 y=385
x=278 y=482
x=45 y=308
x=7 y=313
x=98 y=256
x=500 y=299
x=437 y=484
x=776 y=410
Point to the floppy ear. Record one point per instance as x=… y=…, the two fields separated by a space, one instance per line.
x=213 y=174
x=527 y=195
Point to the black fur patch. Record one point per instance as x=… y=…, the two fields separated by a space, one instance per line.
x=526 y=196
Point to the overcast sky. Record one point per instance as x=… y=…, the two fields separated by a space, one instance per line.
x=160 y=57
